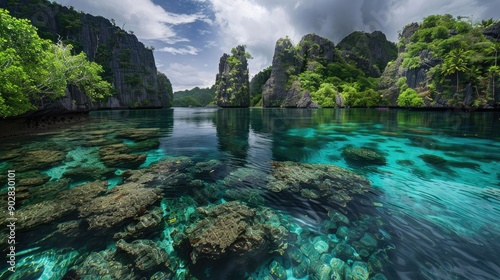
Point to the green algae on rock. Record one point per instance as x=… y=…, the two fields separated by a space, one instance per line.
x=233 y=229
x=363 y=156
x=333 y=183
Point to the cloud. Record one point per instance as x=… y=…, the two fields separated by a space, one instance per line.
x=148 y=20
x=250 y=23
x=259 y=23
x=188 y=77
x=188 y=50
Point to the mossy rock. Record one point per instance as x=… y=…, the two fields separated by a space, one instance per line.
x=433 y=160
x=363 y=156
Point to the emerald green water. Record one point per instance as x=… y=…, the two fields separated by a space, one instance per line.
x=428 y=220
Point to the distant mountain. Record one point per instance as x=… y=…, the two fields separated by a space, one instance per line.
x=196 y=97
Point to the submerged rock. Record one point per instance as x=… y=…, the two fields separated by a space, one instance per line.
x=362 y=157
x=32 y=179
x=138 y=134
x=116 y=155
x=38 y=160
x=233 y=229
x=333 y=183
x=277 y=272
x=64 y=204
x=122 y=202
x=88 y=173
x=165 y=173
x=338 y=268
x=148 y=222
x=359 y=271
x=145 y=253
x=105 y=266
x=124 y=160
x=433 y=160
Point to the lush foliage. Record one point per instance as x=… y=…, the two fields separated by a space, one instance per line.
x=467 y=56
x=257 y=84
x=325 y=82
x=410 y=98
x=196 y=97
x=32 y=68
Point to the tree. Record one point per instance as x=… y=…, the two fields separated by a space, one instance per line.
x=32 y=68
x=325 y=95
x=454 y=63
x=409 y=98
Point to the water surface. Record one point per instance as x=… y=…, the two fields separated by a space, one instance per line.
x=431 y=211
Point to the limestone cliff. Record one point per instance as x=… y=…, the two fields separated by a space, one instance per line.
x=283 y=89
x=129 y=66
x=232 y=85
x=421 y=65
x=370 y=51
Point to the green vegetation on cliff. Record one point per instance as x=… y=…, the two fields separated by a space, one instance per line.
x=196 y=97
x=33 y=69
x=335 y=82
x=372 y=47
x=127 y=64
x=457 y=62
x=232 y=85
x=316 y=73
x=257 y=84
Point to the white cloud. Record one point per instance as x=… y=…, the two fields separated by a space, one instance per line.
x=245 y=22
x=188 y=50
x=188 y=77
x=148 y=20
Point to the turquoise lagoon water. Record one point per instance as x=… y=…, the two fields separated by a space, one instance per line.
x=419 y=220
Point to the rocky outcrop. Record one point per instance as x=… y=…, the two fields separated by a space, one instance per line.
x=231 y=84
x=128 y=65
x=492 y=32
x=285 y=63
x=289 y=61
x=370 y=51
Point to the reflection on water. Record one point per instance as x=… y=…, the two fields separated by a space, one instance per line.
x=258 y=194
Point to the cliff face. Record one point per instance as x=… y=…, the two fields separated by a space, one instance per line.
x=231 y=85
x=129 y=66
x=427 y=76
x=370 y=51
x=283 y=88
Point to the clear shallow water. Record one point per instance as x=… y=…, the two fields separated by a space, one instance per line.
x=430 y=220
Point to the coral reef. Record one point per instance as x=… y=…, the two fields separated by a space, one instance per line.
x=232 y=229
x=318 y=181
x=145 y=253
x=38 y=160
x=122 y=202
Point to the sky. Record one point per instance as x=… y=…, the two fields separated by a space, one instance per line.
x=190 y=36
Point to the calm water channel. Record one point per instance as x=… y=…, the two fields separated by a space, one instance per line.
x=257 y=194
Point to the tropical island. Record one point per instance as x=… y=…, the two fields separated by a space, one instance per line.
x=442 y=62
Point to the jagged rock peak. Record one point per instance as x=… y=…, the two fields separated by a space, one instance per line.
x=372 y=51
x=231 y=83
